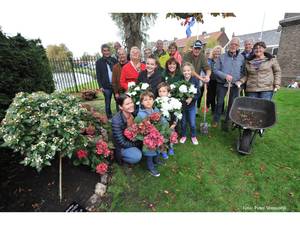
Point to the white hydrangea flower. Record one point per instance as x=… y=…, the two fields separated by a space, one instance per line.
x=176 y=103
x=192 y=89
x=137 y=88
x=131 y=84
x=178 y=115
x=183 y=88
x=172 y=86
x=144 y=86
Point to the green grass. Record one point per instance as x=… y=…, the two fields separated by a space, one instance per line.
x=213 y=177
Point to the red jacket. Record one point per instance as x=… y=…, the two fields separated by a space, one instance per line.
x=129 y=74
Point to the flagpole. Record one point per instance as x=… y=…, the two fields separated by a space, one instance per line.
x=262 y=27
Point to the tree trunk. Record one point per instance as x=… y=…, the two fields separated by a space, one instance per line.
x=132 y=28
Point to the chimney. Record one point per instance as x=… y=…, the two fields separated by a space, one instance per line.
x=233 y=35
x=204 y=33
x=222 y=29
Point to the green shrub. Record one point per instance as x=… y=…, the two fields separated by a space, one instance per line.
x=24 y=67
x=38 y=125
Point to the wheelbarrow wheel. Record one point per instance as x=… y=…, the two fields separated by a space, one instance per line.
x=245 y=142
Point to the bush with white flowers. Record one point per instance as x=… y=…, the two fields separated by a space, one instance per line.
x=135 y=90
x=38 y=125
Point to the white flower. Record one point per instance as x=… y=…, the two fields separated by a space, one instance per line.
x=172 y=86
x=144 y=86
x=175 y=103
x=131 y=84
x=166 y=113
x=178 y=115
x=137 y=103
x=183 y=88
x=192 y=89
x=133 y=93
x=43 y=105
x=137 y=88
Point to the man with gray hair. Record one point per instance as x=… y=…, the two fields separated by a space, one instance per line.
x=248 y=49
x=104 y=67
x=228 y=69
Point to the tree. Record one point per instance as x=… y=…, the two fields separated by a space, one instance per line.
x=24 y=67
x=198 y=16
x=58 y=52
x=133 y=27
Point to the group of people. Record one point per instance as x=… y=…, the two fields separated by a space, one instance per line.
x=255 y=70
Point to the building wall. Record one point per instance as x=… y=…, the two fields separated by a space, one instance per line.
x=289 y=51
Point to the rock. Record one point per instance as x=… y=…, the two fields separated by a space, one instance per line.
x=93 y=199
x=104 y=179
x=100 y=189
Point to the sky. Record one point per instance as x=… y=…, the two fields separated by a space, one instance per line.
x=84 y=25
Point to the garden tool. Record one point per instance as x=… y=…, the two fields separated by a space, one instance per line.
x=204 y=125
x=225 y=124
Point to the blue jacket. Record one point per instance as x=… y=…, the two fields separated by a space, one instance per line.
x=119 y=124
x=229 y=64
x=143 y=113
x=102 y=72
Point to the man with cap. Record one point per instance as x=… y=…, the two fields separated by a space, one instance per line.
x=228 y=69
x=197 y=58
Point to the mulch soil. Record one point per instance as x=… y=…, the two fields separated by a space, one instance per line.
x=23 y=189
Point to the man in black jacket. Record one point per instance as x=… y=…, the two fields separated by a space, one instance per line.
x=104 y=77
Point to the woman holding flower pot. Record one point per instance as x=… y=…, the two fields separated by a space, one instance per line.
x=126 y=150
x=172 y=72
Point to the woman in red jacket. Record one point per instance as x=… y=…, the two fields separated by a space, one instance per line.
x=131 y=70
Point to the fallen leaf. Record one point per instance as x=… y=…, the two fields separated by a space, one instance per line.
x=166 y=192
x=262 y=168
x=248 y=173
x=291 y=194
x=256 y=194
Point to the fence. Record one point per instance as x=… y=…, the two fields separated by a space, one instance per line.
x=74 y=74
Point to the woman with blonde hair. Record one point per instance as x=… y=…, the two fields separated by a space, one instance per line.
x=131 y=70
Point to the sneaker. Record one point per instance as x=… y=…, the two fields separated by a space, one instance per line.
x=154 y=172
x=195 y=141
x=171 y=151
x=182 y=140
x=164 y=155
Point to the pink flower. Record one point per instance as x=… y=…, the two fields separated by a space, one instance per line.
x=81 y=154
x=129 y=134
x=106 y=152
x=101 y=168
x=173 y=138
x=155 y=117
x=101 y=147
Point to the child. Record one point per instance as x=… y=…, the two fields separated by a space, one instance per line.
x=189 y=107
x=151 y=75
x=164 y=91
x=146 y=109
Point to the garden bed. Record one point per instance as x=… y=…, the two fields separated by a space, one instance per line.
x=23 y=189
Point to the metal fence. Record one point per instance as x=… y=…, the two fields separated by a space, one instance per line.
x=74 y=74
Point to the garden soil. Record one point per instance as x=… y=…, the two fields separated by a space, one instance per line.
x=23 y=189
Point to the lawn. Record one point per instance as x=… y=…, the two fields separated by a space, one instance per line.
x=213 y=177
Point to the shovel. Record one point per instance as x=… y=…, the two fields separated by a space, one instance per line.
x=224 y=124
x=204 y=125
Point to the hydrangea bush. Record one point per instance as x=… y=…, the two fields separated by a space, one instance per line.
x=39 y=125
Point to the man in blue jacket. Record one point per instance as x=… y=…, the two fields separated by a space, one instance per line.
x=228 y=69
x=104 y=67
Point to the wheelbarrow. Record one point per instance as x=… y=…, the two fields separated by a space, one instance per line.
x=251 y=115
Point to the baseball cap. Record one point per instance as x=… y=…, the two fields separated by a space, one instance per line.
x=198 y=44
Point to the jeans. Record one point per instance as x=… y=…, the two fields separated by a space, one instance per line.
x=188 y=115
x=221 y=93
x=107 y=98
x=262 y=94
x=131 y=155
